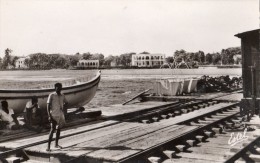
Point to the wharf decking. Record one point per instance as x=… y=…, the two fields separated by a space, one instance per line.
x=111 y=139
x=119 y=110
x=109 y=112
x=221 y=96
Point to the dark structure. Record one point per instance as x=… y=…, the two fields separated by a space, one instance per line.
x=250 y=103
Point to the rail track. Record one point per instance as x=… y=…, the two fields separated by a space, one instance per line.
x=177 y=132
x=208 y=124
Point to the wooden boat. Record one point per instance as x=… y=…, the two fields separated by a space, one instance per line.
x=78 y=94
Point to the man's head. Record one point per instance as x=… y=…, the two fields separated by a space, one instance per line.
x=34 y=100
x=58 y=87
x=4 y=104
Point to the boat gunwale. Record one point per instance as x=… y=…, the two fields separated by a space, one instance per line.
x=46 y=95
x=96 y=78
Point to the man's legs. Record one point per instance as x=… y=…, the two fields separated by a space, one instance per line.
x=57 y=138
x=53 y=126
x=59 y=126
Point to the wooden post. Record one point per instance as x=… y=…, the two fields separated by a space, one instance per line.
x=136 y=96
x=252 y=68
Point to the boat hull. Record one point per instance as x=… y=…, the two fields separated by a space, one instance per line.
x=77 y=95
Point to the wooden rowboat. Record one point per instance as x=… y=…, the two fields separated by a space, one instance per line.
x=78 y=94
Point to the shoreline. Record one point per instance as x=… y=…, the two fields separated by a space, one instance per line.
x=124 y=72
x=115 y=87
x=35 y=79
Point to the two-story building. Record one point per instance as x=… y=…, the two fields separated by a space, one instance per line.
x=148 y=60
x=20 y=63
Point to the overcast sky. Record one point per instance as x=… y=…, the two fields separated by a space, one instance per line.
x=121 y=26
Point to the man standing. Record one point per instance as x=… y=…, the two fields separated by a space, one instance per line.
x=55 y=108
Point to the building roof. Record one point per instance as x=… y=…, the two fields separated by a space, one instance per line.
x=89 y=60
x=21 y=59
x=150 y=54
x=241 y=35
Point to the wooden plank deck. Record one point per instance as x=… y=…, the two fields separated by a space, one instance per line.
x=194 y=96
x=114 y=140
x=6 y=135
x=255 y=121
x=199 y=112
x=235 y=97
x=214 y=149
x=111 y=111
x=120 y=110
x=139 y=144
x=107 y=126
x=118 y=141
x=44 y=136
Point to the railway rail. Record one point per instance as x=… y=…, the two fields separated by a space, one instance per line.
x=207 y=125
x=190 y=123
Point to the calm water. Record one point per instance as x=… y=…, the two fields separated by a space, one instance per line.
x=49 y=75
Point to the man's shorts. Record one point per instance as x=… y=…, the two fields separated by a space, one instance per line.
x=59 y=121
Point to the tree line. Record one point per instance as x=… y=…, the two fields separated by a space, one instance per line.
x=225 y=57
x=50 y=61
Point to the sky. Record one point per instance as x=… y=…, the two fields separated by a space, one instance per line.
x=114 y=27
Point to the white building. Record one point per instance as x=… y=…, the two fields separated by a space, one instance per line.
x=113 y=64
x=20 y=63
x=88 y=63
x=148 y=60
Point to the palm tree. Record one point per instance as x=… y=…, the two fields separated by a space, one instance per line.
x=7 y=58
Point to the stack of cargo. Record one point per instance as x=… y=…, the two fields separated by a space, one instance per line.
x=175 y=86
x=167 y=87
x=193 y=85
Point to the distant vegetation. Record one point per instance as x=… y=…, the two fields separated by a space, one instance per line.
x=50 y=61
x=193 y=59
